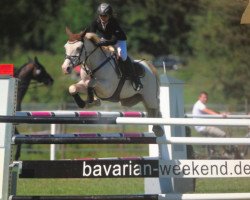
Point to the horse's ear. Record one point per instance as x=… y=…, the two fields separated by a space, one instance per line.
x=83 y=33
x=35 y=59
x=68 y=31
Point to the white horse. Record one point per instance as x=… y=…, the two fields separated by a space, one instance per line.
x=99 y=70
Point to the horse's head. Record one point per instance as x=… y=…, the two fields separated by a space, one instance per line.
x=73 y=50
x=39 y=73
x=78 y=48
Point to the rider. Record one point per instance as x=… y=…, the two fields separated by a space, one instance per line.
x=107 y=26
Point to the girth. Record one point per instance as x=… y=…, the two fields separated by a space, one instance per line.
x=116 y=95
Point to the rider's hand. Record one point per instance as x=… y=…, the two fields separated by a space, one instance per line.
x=102 y=43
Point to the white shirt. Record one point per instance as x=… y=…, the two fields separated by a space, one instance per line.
x=197 y=110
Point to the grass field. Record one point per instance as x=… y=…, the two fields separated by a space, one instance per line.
x=119 y=186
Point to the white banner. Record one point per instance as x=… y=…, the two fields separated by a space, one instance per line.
x=204 y=168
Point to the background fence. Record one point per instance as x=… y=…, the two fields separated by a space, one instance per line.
x=67 y=151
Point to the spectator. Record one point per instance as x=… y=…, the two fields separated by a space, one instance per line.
x=200 y=108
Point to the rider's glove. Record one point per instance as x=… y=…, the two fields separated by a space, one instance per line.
x=106 y=42
x=103 y=43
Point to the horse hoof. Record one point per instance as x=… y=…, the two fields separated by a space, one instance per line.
x=96 y=102
x=158 y=131
x=81 y=104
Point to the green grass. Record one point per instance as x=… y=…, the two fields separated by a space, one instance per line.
x=119 y=186
x=223 y=185
x=80 y=186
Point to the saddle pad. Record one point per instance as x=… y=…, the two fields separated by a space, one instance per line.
x=126 y=73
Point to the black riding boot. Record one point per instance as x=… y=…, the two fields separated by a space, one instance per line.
x=78 y=100
x=136 y=82
x=90 y=97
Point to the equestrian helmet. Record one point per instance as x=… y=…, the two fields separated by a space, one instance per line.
x=104 y=9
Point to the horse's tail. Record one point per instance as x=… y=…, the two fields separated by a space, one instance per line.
x=153 y=68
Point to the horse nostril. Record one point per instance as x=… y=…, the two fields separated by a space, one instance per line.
x=68 y=69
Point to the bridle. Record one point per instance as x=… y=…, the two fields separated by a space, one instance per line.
x=76 y=60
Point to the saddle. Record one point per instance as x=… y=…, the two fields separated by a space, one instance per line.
x=123 y=71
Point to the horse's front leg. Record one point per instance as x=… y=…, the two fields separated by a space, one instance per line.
x=74 y=91
x=92 y=100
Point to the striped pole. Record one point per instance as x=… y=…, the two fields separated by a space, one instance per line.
x=87 y=138
x=123 y=120
x=92 y=197
x=123 y=138
x=67 y=113
x=170 y=196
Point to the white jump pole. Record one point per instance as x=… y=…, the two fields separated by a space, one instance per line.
x=221 y=196
x=8 y=99
x=239 y=116
x=184 y=121
x=53 y=146
x=204 y=141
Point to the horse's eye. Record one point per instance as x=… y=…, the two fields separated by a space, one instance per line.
x=38 y=71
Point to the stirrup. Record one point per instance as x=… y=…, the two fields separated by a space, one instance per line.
x=137 y=86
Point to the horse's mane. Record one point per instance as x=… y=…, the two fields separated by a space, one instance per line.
x=18 y=70
x=93 y=37
x=78 y=36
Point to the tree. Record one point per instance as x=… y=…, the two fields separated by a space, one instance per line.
x=156 y=26
x=24 y=23
x=222 y=45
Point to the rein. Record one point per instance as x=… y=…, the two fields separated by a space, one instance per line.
x=76 y=60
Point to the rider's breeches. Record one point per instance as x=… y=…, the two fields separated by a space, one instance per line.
x=121 y=47
x=212 y=131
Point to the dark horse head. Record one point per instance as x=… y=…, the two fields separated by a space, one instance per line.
x=32 y=70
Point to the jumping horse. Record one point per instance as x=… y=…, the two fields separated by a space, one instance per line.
x=99 y=70
x=32 y=70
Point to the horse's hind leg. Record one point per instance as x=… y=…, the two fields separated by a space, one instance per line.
x=245 y=148
x=157 y=129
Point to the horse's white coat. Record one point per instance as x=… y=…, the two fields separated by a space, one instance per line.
x=106 y=78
